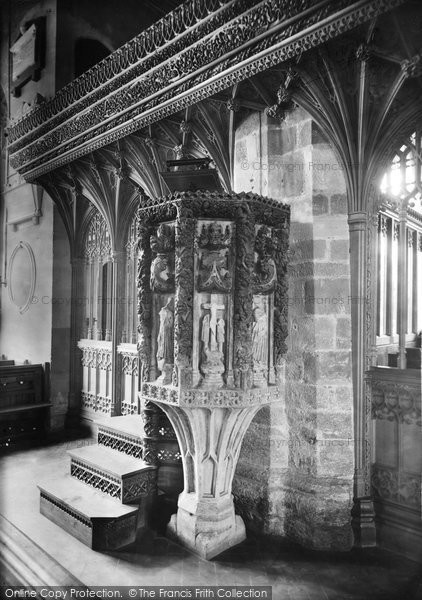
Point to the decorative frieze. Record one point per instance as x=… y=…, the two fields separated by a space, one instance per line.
x=398 y=487
x=140 y=53
x=96 y=478
x=200 y=397
x=161 y=91
x=152 y=392
x=104 y=359
x=96 y=403
x=128 y=408
x=169 y=456
x=396 y=402
x=89 y=357
x=129 y=363
x=120 y=442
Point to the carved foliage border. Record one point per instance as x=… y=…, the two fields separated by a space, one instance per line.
x=131 y=121
x=141 y=53
x=243 y=297
x=190 y=59
x=144 y=298
x=280 y=295
x=184 y=279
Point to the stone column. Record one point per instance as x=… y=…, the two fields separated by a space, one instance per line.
x=76 y=318
x=209 y=441
x=363 y=512
x=118 y=261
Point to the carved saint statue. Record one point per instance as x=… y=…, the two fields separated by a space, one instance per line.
x=165 y=350
x=162 y=266
x=260 y=335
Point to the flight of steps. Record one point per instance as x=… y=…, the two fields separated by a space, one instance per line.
x=105 y=498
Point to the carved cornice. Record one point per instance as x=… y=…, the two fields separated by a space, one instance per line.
x=249 y=40
x=209 y=398
x=195 y=17
x=206 y=204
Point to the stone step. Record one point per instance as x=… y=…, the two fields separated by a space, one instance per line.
x=123 y=434
x=120 y=476
x=100 y=522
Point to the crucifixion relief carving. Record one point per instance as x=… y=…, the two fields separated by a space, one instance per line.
x=212 y=337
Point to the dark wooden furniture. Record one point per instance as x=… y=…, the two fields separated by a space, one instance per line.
x=23 y=406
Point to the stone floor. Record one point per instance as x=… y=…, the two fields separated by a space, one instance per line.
x=295 y=574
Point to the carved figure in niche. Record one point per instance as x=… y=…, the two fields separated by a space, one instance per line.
x=265 y=273
x=213 y=338
x=165 y=343
x=259 y=335
x=162 y=266
x=213 y=246
x=260 y=342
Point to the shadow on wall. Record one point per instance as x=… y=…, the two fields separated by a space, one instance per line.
x=251 y=479
x=87 y=53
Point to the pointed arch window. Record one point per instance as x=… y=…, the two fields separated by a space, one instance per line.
x=399 y=250
x=98 y=279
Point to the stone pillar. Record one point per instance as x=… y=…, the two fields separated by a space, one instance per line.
x=62 y=303
x=297 y=463
x=117 y=271
x=227 y=325
x=76 y=318
x=209 y=439
x=363 y=510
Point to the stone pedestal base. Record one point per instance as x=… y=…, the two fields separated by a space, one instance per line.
x=210 y=436
x=207 y=535
x=363 y=523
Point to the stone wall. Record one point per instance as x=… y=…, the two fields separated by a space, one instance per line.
x=26 y=335
x=60 y=333
x=295 y=473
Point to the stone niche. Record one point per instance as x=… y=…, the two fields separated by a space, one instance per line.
x=212 y=328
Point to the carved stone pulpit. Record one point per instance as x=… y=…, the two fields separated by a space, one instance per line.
x=212 y=329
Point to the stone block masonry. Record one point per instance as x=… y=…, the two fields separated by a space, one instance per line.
x=299 y=482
